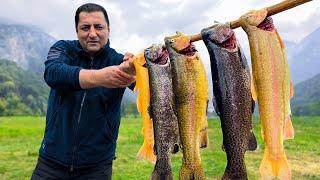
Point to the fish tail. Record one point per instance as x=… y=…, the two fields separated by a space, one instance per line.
x=146 y=152
x=252 y=142
x=204 y=139
x=229 y=176
x=288 y=131
x=189 y=173
x=157 y=175
x=274 y=167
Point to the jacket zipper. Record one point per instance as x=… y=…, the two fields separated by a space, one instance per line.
x=79 y=117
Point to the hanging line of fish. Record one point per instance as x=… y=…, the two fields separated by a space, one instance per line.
x=173 y=99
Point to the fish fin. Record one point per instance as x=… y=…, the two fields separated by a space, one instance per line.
x=243 y=59
x=262 y=133
x=252 y=142
x=175 y=148
x=253 y=105
x=146 y=152
x=149 y=112
x=189 y=171
x=204 y=138
x=288 y=130
x=155 y=149
x=253 y=91
x=270 y=168
x=215 y=105
x=291 y=89
x=222 y=147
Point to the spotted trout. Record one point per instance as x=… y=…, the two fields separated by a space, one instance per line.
x=273 y=90
x=165 y=123
x=143 y=103
x=190 y=87
x=232 y=96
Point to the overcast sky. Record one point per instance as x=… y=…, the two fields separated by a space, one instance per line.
x=137 y=24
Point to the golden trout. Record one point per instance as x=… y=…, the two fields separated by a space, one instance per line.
x=271 y=87
x=190 y=86
x=143 y=103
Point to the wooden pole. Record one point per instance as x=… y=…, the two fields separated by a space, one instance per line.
x=272 y=10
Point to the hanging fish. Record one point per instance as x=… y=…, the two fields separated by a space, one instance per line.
x=165 y=123
x=273 y=90
x=143 y=102
x=190 y=87
x=233 y=100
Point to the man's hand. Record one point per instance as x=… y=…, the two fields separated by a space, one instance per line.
x=109 y=77
x=127 y=64
x=127 y=56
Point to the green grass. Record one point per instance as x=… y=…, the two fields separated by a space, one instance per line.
x=20 y=138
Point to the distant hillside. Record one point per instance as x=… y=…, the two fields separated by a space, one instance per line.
x=304 y=57
x=306 y=100
x=26 y=45
x=22 y=92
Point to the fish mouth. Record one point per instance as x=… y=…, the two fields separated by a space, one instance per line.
x=230 y=42
x=157 y=54
x=222 y=36
x=267 y=24
x=163 y=59
x=189 y=50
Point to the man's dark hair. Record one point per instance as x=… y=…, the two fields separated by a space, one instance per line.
x=90 y=7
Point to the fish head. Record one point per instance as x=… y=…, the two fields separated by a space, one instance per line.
x=221 y=35
x=181 y=44
x=254 y=17
x=157 y=53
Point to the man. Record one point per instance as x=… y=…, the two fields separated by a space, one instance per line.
x=87 y=80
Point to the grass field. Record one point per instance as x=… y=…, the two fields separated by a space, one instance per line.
x=20 y=139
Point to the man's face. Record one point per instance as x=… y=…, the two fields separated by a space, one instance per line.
x=93 y=31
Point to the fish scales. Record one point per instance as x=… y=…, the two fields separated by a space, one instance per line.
x=232 y=96
x=190 y=89
x=272 y=89
x=165 y=123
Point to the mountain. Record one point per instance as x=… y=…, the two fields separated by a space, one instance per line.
x=26 y=45
x=304 y=57
x=22 y=92
x=306 y=100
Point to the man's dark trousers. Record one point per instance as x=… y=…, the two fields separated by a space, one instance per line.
x=46 y=169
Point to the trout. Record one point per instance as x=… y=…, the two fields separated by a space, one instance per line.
x=272 y=89
x=143 y=103
x=165 y=123
x=232 y=96
x=190 y=87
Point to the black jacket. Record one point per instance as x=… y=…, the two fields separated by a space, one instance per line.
x=81 y=125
